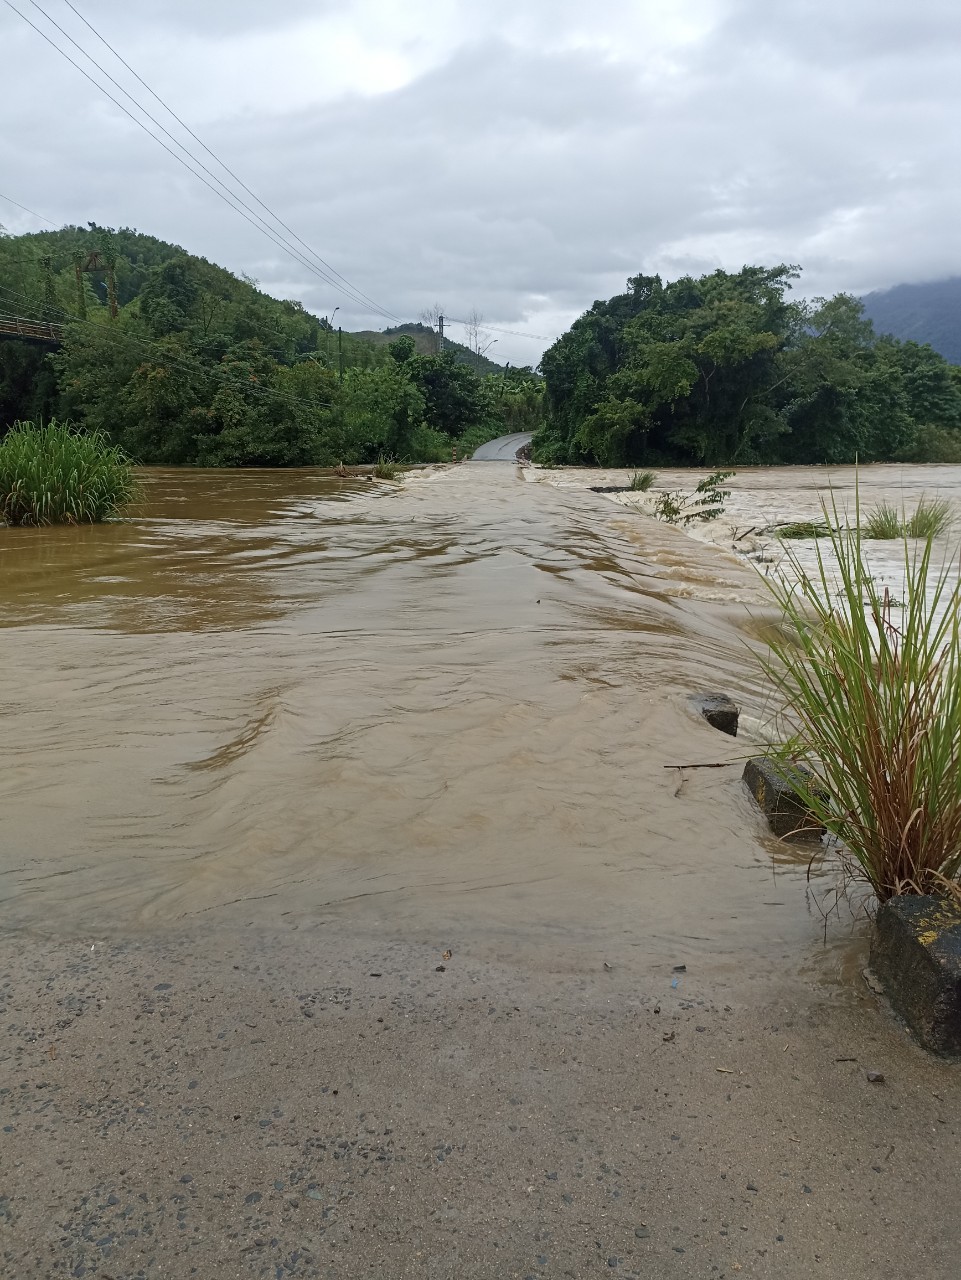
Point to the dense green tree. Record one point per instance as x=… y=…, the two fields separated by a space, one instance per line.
x=200 y=367
x=727 y=369
x=455 y=398
x=28 y=384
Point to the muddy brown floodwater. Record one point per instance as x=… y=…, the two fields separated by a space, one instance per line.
x=455 y=696
x=277 y=744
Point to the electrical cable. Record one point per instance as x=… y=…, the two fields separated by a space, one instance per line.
x=227 y=195
x=516 y=333
x=33 y=214
x=230 y=198
x=276 y=238
x=226 y=168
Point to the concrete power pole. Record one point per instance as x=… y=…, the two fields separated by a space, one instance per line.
x=440 y=335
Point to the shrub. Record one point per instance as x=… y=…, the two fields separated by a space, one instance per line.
x=872 y=695
x=931 y=518
x=706 y=502
x=385 y=468
x=58 y=474
x=935 y=444
x=428 y=445
x=471 y=440
x=641 y=481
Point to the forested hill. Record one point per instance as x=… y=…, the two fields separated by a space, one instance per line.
x=920 y=313
x=425 y=342
x=180 y=361
x=730 y=370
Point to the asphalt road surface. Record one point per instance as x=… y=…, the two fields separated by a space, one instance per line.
x=504 y=448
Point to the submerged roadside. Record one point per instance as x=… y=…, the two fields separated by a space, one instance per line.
x=397 y=940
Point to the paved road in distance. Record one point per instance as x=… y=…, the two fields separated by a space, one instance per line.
x=504 y=448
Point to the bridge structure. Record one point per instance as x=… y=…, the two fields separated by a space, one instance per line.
x=24 y=330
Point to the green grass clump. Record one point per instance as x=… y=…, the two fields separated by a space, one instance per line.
x=804 y=529
x=884 y=522
x=871 y=690
x=385 y=468
x=932 y=517
x=641 y=481
x=54 y=473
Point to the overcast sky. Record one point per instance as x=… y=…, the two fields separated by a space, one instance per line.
x=521 y=157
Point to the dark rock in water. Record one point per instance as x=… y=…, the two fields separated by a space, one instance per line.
x=771 y=786
x=916 y=953
x=720 y=711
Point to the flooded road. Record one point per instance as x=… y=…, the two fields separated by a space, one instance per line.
x=284 y=697
x=356 y=926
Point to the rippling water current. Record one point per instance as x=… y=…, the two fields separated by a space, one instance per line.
x=281 y=697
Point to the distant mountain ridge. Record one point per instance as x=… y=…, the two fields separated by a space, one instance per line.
x=425 y=342
x=920 y=313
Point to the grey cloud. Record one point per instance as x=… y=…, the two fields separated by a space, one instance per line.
x=218 y=17
x=528 y=176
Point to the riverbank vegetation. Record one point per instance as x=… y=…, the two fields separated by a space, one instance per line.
x=54 y=474
x=176 y=360
x=871 y=688
x=728 y=370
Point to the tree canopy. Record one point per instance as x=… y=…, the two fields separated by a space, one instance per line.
x=179 y=361
x=727 y=369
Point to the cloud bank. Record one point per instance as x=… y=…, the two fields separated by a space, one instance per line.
x=523 y=163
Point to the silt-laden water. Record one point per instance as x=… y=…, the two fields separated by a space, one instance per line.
x=282 y=697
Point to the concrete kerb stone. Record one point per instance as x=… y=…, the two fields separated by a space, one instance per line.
x=779 y=801
x=916 y=956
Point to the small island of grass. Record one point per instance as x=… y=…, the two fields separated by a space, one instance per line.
x=54 y=473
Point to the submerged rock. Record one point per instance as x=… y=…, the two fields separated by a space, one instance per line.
x=720 y=711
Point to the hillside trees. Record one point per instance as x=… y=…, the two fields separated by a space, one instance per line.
x=200 y=367
x=726 y=369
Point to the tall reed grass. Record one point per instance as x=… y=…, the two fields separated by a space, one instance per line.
x=871 y=690
x=53 y=473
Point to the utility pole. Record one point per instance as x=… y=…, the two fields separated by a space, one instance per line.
x=440 y=335
x=330 y=329
x=78 y=261
x=340 y=353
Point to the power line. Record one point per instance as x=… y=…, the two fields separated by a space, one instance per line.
x=40 y=216
x=516 y=333
x=229 y=197
x=326 y=273
x=226 y=168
